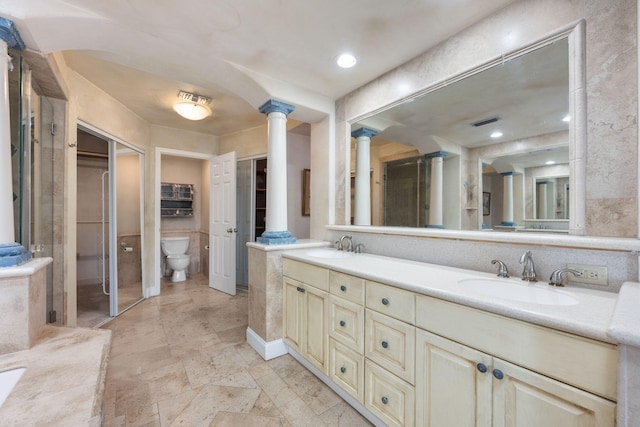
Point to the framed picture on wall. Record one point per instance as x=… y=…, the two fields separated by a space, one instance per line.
x=486 y=203
x=306 y=192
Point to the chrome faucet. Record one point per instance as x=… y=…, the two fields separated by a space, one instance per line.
x=529 y=270
x=557 y=277
x=503 y=271
x=341 y=243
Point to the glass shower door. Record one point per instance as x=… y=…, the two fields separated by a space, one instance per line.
x=126 y=210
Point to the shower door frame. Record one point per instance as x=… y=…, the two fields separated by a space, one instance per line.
x=113 y=222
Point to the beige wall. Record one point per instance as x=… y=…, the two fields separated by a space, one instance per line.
x=183 y=170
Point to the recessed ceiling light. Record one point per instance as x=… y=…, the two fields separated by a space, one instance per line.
x=346 y=60
x=549 y=162
x=496 y=134
x=566 y=118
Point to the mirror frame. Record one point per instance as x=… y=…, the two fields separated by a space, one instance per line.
x=575 y=33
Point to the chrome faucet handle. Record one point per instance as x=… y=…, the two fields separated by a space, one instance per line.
x=503 y=271
x=338 y=245
x=359 y=248
x=350 y=241
x=529 y=270
x=557 y=277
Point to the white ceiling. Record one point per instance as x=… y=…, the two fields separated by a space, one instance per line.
x=239 y=52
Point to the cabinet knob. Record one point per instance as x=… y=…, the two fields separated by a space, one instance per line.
x=300 y=289
x=481 y=367
x=385 y=301
x=385 y=344
x=385 y=400
x=343 y=288
x=343 y=369
x=498 y=374
x=343 y=323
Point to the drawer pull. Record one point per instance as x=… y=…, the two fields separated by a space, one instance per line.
x=385 y=400
x=343 y=369
x=300 y=289
x=481 y=367
x=343 y=288
x=343 y=323
x=498 y=374
x=385 y=301
x=385 y=344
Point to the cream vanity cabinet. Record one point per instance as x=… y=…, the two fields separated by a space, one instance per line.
x=463 y=386
x=411 y=359
x=306 y=299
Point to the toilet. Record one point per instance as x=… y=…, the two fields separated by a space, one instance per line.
x=175 y=248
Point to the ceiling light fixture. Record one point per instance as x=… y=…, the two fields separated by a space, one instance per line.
x=346 y=60
x=566 y=118
x=496 y=134
x=191 y=106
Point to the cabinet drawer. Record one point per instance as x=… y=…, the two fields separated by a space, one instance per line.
x=347 y=286
x=553 y=353
x=388 y=397
x=391 y=344
x=346 y=368
x=306 y=273
x=346 y=323
x=394 y=302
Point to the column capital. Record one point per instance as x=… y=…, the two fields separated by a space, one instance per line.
x=507 y=173
x=272 y=106
x=10 y=35
x=436 y=154
x=364 y=132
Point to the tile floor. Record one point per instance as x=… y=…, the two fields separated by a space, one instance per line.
x=180 y=359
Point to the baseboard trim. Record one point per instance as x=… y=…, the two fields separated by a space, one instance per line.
x=268 y=350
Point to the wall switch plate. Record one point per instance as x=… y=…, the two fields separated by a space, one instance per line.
x=592 y=274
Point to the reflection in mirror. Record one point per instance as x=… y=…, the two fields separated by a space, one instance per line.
x=438 y=139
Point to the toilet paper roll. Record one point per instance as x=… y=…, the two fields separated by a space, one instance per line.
x=127 y=249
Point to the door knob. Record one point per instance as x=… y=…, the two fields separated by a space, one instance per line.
x=232 y=230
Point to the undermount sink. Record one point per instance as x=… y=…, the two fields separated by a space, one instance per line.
x=514 y=291
x=329 y=253
x=8 y=380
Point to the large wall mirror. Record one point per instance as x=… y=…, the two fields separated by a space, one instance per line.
x=503 y=128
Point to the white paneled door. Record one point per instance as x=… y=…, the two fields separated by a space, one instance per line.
x=222 y=228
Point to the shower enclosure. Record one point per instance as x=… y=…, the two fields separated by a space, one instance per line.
x=406 y=192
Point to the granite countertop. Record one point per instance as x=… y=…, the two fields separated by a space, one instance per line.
x=590 y=318
x=64 y=379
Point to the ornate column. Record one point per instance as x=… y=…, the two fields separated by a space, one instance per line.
x=363 y=181
x=507 y=199
x=276 y=232
x=11 y=253
x=542 y=199
x=436 y=189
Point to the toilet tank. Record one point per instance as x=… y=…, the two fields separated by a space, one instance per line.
x=174 y=245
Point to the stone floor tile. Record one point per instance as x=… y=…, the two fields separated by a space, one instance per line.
x=231 y=419
x=343 y=415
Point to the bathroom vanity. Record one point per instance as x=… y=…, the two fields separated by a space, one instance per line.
x=409 y=343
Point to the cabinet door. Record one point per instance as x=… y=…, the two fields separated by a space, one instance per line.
x=453 y=383
x=292 y=313
x=523 y=398
x=346 y=323
x=388 y=397
x=315 y=342
x=346 y=368
x=391 y=344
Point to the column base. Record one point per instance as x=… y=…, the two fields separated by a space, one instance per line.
x=13 y=254
x=276 y=238
x=434 y=226
x=508 y=223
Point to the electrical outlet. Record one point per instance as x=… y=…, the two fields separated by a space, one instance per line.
x=592 y=274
